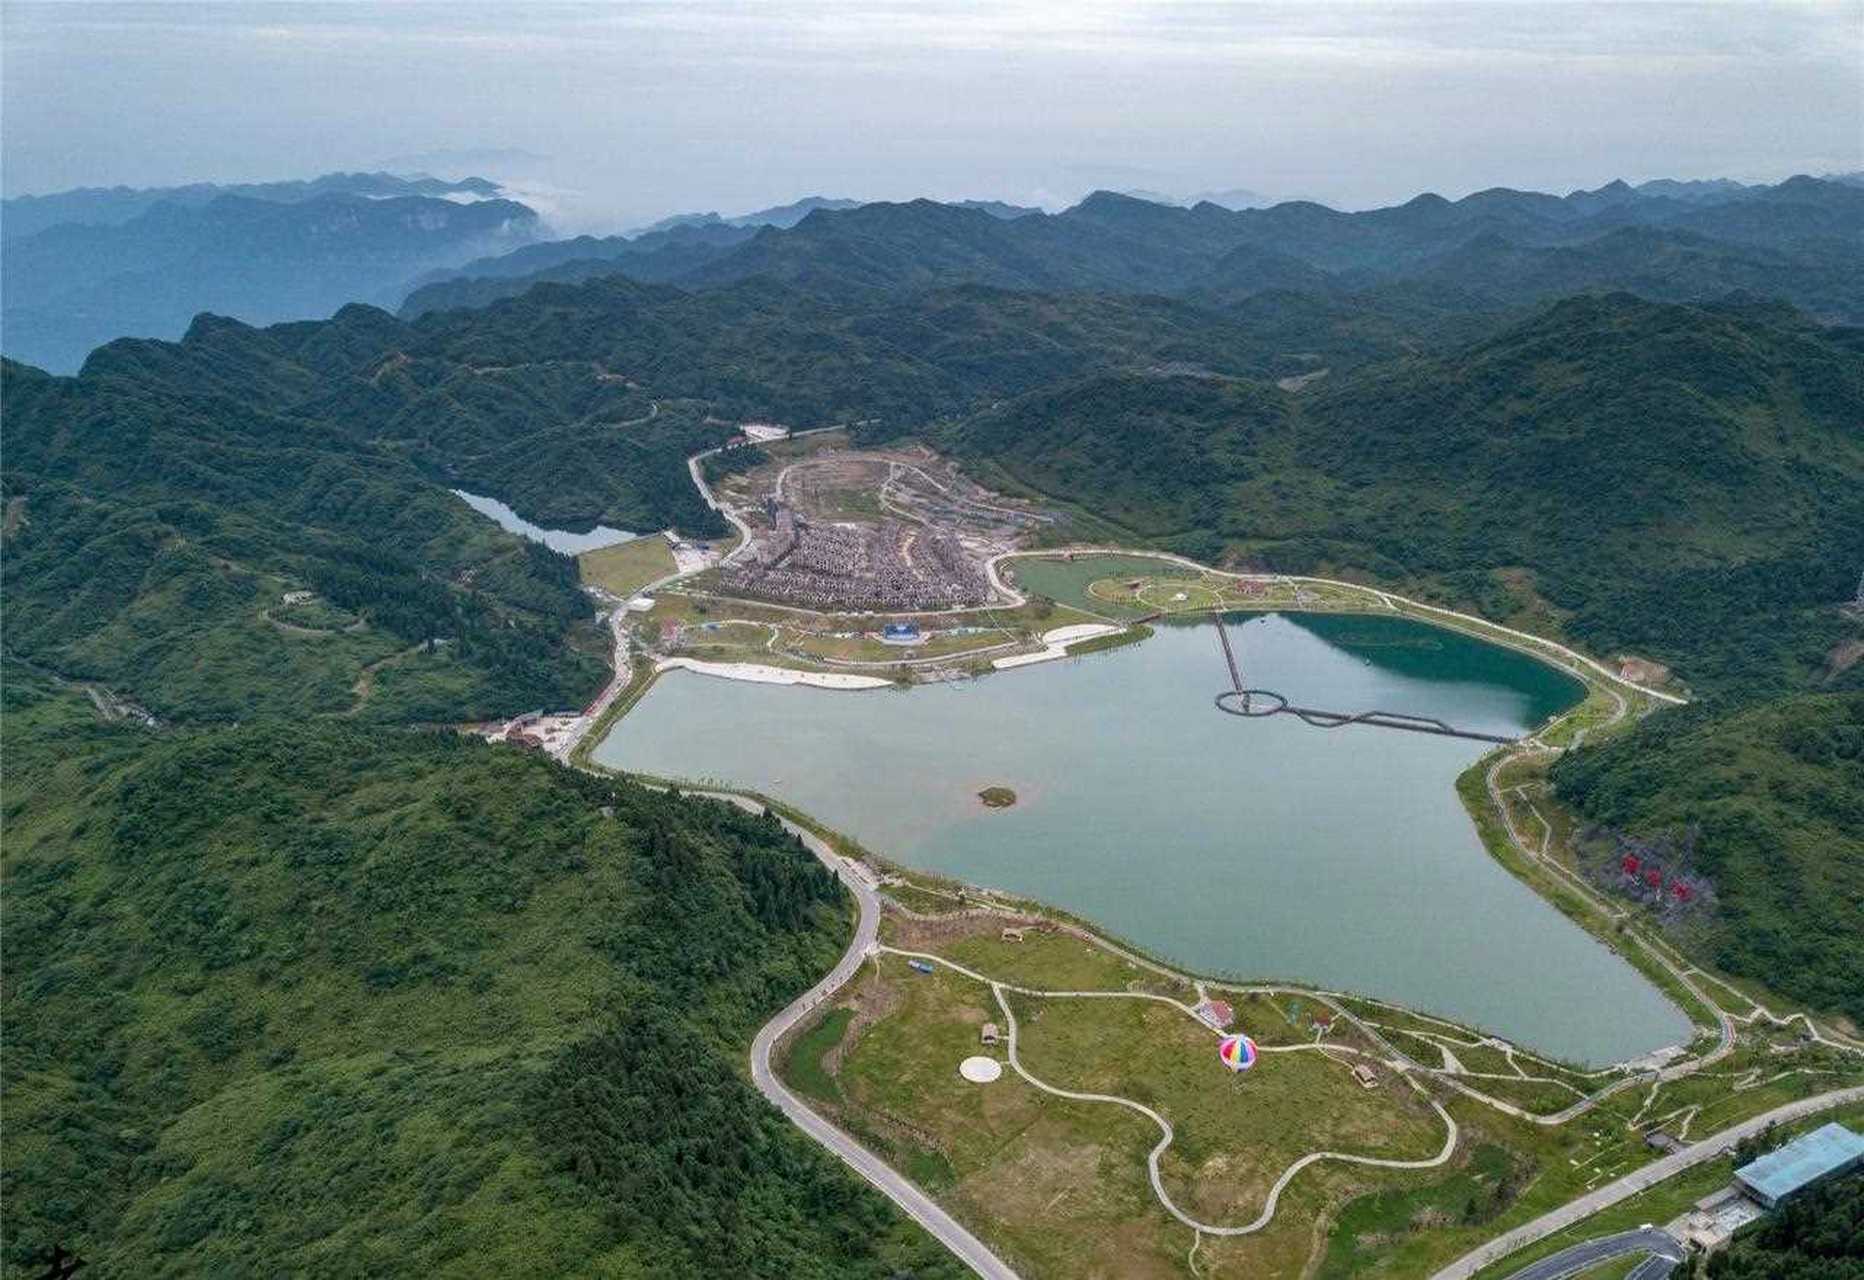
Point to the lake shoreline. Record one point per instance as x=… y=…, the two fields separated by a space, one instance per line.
x=1442 y=823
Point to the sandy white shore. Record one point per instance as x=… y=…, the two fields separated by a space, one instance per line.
x=1057 y=642
x=758 y=673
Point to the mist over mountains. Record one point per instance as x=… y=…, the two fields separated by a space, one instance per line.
x=1498 y=248
x=83 y=267
x=92 y=264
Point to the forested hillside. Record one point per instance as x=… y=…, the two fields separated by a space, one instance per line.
x=1817 y=1236
x=321 y=1000
x=1767 y=803
x=1493 y=249
x=151 y=538
x=1644 y=477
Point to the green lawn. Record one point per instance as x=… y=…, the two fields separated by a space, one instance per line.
x=802 y=1065
x=623 y=569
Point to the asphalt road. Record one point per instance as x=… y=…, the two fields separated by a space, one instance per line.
x=918 y=1206
x=1664 y=1249
x=1656 y=1267
x=1639 y=1180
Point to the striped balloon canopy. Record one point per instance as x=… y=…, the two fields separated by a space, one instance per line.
x=1238 y=1052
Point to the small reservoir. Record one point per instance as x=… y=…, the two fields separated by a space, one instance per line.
x=1264 y=848
x=561 y=540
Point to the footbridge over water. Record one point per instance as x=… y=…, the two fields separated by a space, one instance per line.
x=1238 y=700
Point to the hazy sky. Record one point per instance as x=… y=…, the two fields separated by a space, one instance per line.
x=642 y=109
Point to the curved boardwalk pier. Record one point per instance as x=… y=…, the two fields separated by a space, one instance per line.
x=1260 y=703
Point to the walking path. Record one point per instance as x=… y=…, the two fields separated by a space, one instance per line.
x=1639 y=1180
x=1539 y=645
x=1166 y=1134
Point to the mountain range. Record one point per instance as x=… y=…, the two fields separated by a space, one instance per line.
x=296 y=985
x=119 y=262
x=1799 y=239
x=113 y=206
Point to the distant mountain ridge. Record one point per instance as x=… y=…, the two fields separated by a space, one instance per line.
x=112 y=206
x=1673 y=241
x=74 y=286
x=782 y=215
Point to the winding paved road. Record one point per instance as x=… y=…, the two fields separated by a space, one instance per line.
x=918 y=1206
x=1639 y=1180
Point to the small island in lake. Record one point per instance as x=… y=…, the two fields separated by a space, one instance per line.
x=997 y=797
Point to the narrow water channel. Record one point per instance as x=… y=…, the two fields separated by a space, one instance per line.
x=562 y=540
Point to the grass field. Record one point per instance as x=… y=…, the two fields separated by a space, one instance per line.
x=1235 y=1132
x=1615 y=1269
x=626 y=567
x=1057 y=1186
x=802 y=1065
x=1066 y=582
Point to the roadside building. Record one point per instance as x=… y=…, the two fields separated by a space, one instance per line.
x=1830 y=1151
x=989 y=1034
x=1367 y=1077
x=1215 y=1014
x=1012 y=933
x=1716 y=1218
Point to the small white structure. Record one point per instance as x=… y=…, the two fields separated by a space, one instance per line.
x=989 y=1034
x=980 y=1070
x=297 y=597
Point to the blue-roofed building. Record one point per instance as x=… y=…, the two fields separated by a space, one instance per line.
x=900 y=633
x=1827 y=1152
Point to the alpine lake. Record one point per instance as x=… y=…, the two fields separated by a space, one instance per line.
x=1265 y=848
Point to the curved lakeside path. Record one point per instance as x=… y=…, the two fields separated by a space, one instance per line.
x=1540 y=646
x=1166 y=1133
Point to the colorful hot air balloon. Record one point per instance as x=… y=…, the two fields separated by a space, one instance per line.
x=1237 y=1052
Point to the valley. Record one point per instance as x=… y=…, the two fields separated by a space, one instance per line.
x=457 y=761
x=872 y=1061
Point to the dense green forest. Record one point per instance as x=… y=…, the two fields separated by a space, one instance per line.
x=295 y=987
x=1497 y=248
x=290 y=1000
x=1768 y=801
x=151 y=536
x=1682 y=482
x=1817 y=1236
